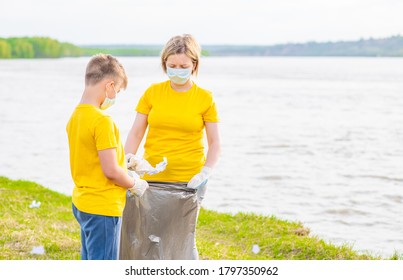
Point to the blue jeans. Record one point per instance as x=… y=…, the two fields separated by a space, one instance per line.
x=100 y=235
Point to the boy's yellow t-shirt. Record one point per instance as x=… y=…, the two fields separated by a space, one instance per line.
x=90 y=130
x=175 y=129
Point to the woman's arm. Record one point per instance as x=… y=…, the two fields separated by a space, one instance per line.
x=136 y=133
x=214 y=144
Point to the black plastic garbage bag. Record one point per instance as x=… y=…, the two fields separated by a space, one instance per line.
x=160 y=225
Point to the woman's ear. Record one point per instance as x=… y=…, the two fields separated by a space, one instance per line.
x=194 y=67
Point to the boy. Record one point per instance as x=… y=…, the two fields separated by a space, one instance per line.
x=97 y=161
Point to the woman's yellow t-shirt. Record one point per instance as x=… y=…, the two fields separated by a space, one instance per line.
x=90 y=130
x=175 y=129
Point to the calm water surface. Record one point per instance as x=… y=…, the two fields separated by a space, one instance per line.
x=317 y=140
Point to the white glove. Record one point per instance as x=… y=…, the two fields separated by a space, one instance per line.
x=137 y=164
x=139 y=187
x=141 y=166
x=159 y=167
x=201 y=178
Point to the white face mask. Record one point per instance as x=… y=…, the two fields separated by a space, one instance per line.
x=108 y=102
x=179 y=76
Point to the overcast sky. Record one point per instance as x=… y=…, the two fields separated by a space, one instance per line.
x=210 y=21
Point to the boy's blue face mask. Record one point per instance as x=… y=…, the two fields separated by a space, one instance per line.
x=178 y=75
x=108 y=102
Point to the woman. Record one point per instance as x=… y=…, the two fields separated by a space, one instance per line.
x=176 y=112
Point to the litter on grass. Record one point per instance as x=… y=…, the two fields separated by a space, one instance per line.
x=255 y=249
x=38 y=250
x=35 y=204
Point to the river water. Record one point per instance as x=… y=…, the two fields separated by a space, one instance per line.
x=316 y=140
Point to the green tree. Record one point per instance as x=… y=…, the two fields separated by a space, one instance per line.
x=5 y=49
x=21 y=48
x=67 y=49
x=45 y=47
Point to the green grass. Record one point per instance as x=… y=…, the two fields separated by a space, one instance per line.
x=22 y=228
x=220 y=236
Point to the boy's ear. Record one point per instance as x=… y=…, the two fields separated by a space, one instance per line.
x=109 y=83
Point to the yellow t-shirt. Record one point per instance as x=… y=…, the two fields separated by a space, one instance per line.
x=90 y=130
x=175 y=129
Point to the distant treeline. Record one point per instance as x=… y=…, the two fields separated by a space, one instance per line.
x=127 y=50
x=391 y=47
x=37 y=47
x=44 y=47
x=123 y=50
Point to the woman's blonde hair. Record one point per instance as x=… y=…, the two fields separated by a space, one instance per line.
x=103 y=66
x=186 y=44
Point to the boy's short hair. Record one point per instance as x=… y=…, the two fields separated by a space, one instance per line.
x=186 y=44
x=103 y=66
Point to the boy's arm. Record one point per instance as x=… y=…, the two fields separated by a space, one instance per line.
x=112 y=170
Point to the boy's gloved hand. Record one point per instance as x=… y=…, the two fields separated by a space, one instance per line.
x=200 y=179
x=139 y=187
